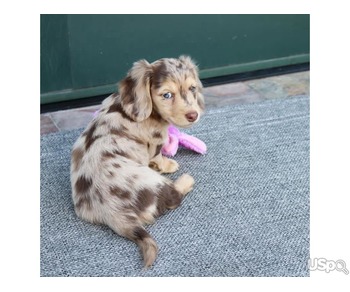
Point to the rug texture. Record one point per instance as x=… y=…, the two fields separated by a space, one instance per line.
x=248 y=214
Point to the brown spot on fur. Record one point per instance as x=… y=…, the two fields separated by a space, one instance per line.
x=179 y=66
x=115 y=131
x=159 y=147
x=91 y=141
x=83 y=200
x=117 y=108
x=140 y=234
x=116 y=165
x=82 y=186
x=145 y=197
x=160 y=74
x=157 y=135
x=122 y=132
x=99 y=196
x=120 y=193
x=114 y=108
x=107 y=155
x=77 y=156
x=121 y=153
x=168 y=198
x=90 y=138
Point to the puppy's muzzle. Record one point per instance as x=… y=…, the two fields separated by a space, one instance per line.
x=191 y=116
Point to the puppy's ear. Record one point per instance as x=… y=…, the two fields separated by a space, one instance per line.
x=135 y=91
x=191 y=65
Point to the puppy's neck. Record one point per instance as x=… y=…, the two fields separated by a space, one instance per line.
x=155 y=116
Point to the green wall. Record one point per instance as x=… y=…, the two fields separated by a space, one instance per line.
x=86 y=55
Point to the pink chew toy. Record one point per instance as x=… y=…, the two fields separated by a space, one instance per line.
x=176 y=138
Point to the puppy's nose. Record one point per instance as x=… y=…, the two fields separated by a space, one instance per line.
x=191 y=116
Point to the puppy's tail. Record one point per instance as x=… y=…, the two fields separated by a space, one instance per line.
x=147 y=245
x=140 y=236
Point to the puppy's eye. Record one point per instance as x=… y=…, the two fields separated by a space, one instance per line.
x=193 y=88
x=167 y=95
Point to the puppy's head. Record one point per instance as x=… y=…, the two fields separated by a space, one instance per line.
x=169 y=87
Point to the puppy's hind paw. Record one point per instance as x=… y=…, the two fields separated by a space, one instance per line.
x=184 y=184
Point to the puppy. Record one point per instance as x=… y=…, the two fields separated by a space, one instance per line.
x=116 y=163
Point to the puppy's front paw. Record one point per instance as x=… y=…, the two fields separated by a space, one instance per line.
x=163 y=164
x=169 y=165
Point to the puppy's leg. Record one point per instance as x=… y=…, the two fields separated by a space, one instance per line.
x=172 y=193
x=163 y=164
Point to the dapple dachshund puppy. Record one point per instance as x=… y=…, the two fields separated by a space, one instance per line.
x=116 y=163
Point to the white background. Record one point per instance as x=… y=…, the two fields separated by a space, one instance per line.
x=20 y=141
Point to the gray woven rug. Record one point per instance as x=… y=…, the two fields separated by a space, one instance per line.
x=248 y=214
